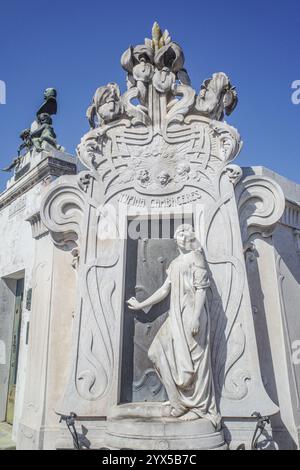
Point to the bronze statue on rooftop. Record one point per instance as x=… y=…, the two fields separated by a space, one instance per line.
x=40 y=132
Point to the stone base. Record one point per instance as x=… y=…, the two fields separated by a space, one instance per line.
x=143 y=427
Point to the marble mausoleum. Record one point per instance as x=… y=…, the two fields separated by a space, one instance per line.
x=153 y=293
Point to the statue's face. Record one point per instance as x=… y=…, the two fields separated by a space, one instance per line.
x=228 y=99
x=163 y=178
x=112 y=95
x=110 y=104
x=143 y=176
x=44 y=118
x=185 y=239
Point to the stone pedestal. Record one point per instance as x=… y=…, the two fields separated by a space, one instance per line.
x=143 y=426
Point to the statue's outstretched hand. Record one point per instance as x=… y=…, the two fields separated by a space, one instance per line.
x=134 y=304
x=195 y=327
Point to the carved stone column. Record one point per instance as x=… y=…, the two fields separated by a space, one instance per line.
x=52 y=308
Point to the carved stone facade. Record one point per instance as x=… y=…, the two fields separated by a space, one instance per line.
x=169 y=156
x=156 y=157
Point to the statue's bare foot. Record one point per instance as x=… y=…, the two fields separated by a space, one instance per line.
x=189 y=416
x=176 y=413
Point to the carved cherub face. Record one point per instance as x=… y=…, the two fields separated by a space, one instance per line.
x=183 y=169
x=185 y=237
x=143 y=176
x=163 y=178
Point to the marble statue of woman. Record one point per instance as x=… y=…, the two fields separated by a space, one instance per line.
x=180 y=350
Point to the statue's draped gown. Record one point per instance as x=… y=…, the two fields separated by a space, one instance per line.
x=183 y=361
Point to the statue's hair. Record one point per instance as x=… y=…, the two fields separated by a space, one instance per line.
x=184 y=228
x=51 y=92
x=102 y=92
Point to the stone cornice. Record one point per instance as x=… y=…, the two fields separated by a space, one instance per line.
x=49 y=166
x=37 y=226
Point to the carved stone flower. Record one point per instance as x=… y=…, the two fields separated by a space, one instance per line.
x=136 y=55
x=163 y=80
x=169 y=56
x=143 y=71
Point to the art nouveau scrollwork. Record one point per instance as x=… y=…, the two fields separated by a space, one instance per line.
x=228 y=339
x=234 y=173
x=261 y=204
x=107 y=105
x=71 y=212
x=62 y=212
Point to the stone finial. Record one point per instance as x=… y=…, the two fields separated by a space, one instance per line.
x=159 y=38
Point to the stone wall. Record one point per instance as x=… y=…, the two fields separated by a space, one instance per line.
x=274 y=276
x=19 y=209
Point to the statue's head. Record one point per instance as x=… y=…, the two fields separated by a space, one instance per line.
x=185 y=237
x=50 y=93
x=183 y=168
x=108 y=102
x=143 y=175
x=44 y=118
x=25 y=134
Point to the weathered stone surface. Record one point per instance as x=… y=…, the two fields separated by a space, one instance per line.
x=7 y=299
x=168 y=158
x=18 y=203
x=274 y=273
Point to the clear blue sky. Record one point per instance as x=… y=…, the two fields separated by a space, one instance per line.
x=75 y=46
